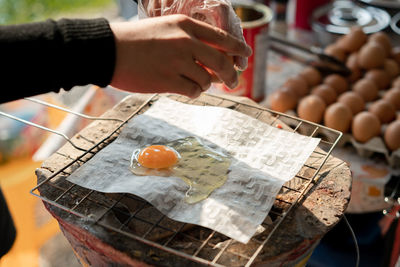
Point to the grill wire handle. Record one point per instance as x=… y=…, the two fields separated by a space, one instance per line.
x=51 y=130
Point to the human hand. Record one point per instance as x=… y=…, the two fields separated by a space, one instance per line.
x=167 y=54
x=218 y=13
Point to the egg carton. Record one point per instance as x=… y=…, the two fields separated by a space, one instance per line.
x=375 y=145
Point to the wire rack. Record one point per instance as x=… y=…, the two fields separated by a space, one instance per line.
x=136 y=219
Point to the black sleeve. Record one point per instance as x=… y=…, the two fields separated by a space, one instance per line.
x=7 y=229
x=40 y=57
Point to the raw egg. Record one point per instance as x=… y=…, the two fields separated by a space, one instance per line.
x=393 y=96
x=380 y=77
x=392 y=135
x=200 y=167
x=337 y=82
x=326 y=92
x=371 y=55
x=384 y=110
x=157 y=157
x=353 y=100
x=367 y=89
x=282 y=100
x=312 y=76
x=365 y=125
x=338 y=116
x=311 y=108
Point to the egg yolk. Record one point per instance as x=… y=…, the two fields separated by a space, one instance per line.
x=157 y=157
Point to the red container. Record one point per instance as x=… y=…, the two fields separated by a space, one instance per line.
x=304 y=9
x=255 y=19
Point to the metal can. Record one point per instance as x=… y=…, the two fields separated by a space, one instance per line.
x=255 y=19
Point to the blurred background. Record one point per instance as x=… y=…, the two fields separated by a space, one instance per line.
x=22 y=148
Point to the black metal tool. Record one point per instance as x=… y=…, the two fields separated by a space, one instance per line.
x=325 y=63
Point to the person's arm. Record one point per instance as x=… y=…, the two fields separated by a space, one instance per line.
x=164 y=54
x=171 y=54
x=40 y=57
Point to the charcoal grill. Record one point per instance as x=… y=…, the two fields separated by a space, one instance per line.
x=123 y=229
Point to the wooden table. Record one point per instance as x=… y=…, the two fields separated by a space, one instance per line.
x=120 y=229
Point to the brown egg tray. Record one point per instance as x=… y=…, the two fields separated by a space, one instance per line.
x=375 y=145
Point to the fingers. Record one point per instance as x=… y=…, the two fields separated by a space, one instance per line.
x=218 y=62
x=199 y=75
x=219 y=39
x=187 y=87
x=240 y=63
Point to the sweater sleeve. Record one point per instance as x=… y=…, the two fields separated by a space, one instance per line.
x=46 y=56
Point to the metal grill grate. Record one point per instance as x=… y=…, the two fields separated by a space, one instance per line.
x=137 y=219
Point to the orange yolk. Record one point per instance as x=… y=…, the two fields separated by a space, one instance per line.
x=157 y=157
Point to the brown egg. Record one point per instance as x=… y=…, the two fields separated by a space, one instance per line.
x=383 y=39
x=336 y=52
x=396 y=82
x=311 y=108
x=392 y=135
x=338 y=116
x=326 y=92
x=337 y=82
x=298 y=85
x=353 y=100
x=371 y=55
x=282 y=100
x=367 y=89
x=396 y=54
x=365 y=125
x=312 y=76
x=391 y=68
x=352 y=64
x=384 y=110
x=393 y=96
x=380 y=77
x=352 y=41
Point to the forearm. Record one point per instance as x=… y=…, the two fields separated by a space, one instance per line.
x=41 y=57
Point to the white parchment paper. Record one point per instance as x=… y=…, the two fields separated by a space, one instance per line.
x=263 y=158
